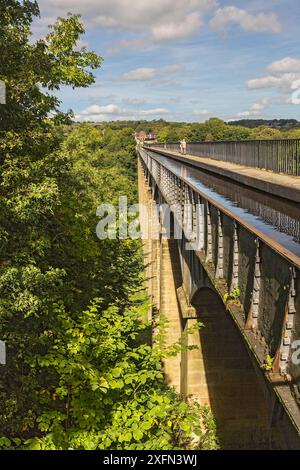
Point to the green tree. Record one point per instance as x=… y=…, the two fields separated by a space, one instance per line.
x=106 y=390
x=294 y=134
x=267 y=133
x=32 y=70
x=197 y=132
x=79 y=371
x=90 y=379
x=216 y=128
x=237 y=133
x=33 y=175
x=168 y=135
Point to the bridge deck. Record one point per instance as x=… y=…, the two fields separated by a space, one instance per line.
x=285 y=186
x=230 y=252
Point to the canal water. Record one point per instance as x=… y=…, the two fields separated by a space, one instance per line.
x=273 y=216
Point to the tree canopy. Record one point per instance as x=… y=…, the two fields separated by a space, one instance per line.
x=214 y=129
x=80 y=372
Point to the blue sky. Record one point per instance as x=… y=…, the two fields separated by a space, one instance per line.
x=186 y=60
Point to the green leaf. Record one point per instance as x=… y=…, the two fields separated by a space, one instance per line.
x=138 y=435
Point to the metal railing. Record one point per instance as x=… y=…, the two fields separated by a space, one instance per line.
x=232 y=254
x=279 y=156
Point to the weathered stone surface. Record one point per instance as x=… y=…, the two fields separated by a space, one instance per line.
x=224 y=372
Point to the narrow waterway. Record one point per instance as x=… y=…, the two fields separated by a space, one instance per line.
x=273 y=216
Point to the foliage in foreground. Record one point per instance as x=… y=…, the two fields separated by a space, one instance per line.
x=105 y=389
x=80 y=373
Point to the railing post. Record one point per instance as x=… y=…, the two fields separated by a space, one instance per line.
x=200 y=224
x=208 y=234
x=235 y=260
x=252 y=320
x=282 y=357
x=275 y=155
x=193 y=200
x=220 y=259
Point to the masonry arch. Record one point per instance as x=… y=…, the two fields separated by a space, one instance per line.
x=221 y=375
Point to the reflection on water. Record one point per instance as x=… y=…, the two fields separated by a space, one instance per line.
x=275 y=217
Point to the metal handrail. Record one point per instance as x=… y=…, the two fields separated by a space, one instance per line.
x=279 y=156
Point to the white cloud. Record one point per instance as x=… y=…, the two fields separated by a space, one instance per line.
x=257 y=107
x=261 y=22
x=152 y=112
x=108 y=109
x=295 y=98
x=249 y=113
x=156 y=20
x=286 y=65
x=177 y=30
x=200 y=112
x=149 y=73
x=143 y=73
x=260 y=105
x=281 y=99
x=285 y=83
x=133 y=101
x=264 y=82
x=113 y=112
x=284 y=75
x=161 y=19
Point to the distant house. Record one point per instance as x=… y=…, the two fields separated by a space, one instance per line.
x=143 y=137
x=140 y=136
x=150 y=138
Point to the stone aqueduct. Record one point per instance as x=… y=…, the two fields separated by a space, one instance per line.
x=242 y=366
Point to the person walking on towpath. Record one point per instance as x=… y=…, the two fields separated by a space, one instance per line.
x=183 y=147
